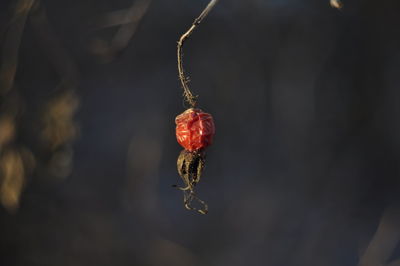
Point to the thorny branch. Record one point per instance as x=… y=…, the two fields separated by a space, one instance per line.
x=189 y=97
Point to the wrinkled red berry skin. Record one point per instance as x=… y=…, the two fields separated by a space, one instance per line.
x=194 y=129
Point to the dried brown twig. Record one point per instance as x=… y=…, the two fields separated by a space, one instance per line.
x=188 y=95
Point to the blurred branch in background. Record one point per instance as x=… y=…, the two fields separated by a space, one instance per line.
x=384 y=241
x=13 y=178
x=128 y=21
x=336 y=4
x=52 y=47
x=59 y=129
x=15 y=162
x=59 y=132
x=58 y=119
x=15 y=165
x=10 y=47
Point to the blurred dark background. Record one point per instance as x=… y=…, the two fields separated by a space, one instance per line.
x=304 y=169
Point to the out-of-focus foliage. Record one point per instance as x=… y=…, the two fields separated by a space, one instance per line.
x=58 y=123
x=14 y=166
x=7 y=129
x=12 y=178
x=58 y=126
x=336 y=4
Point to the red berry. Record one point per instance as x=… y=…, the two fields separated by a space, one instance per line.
x=194 y=129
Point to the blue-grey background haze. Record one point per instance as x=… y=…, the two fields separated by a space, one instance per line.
x=306 y=156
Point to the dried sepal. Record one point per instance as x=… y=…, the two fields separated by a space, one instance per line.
x=190 y=167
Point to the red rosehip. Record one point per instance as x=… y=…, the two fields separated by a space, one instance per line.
x=194 y=129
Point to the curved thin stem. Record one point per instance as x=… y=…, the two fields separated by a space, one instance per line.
x=189 y=197
x=188 y=95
